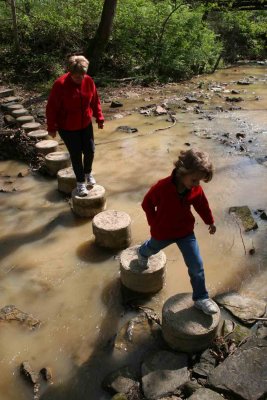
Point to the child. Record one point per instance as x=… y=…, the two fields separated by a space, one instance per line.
x=167 y=206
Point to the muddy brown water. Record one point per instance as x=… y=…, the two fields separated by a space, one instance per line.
x=51 y=268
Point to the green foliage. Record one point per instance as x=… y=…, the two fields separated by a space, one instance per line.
x=242 y=33
x=155 y=39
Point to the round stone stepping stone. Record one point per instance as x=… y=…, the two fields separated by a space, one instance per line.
x=112 y=229
x=31 y=126
x=10 y=99
x=139 y=279
x=20 y=112
x=46 y=146
x=184 y=327
x=90 y=205
x=56 y=161
x=41 y=134
x=12 y=107
x=66 y=180
x=6 y=93
x=24 y=119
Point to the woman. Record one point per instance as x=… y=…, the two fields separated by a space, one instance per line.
x=72 y=103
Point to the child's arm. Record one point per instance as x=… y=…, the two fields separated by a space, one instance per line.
x=201 y=205
x=149 y=205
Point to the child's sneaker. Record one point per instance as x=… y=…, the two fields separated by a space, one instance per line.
x=142 y=261
x=81 y=189
x=90 y=179
x=208 y=306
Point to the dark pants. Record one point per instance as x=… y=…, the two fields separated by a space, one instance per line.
x=80 y=143
x=189 y=248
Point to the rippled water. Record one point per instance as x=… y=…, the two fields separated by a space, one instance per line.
x=51 y=268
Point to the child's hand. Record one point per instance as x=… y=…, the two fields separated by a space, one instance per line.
x=212 y=229
x=100 y=124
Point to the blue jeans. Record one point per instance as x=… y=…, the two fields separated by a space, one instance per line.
x=189 y=248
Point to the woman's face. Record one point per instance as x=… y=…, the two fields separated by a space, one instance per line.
x=77 y=78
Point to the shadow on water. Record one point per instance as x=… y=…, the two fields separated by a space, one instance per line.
x=90 y=252
x=85 y=382
x=54 y=196
x=11 y=243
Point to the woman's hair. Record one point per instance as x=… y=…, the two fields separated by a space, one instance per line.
x=77 y=64
x=191 y=161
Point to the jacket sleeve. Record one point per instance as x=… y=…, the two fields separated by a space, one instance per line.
x=149 y=204
x=96 y=106
x=201 y=205
x=53 y=107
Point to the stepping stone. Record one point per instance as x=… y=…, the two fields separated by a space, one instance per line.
x=5 y=105
x=90 y=205
x=12 y=107
x=66 y=180
x=38 y=134
x=6 y=93
x=139 y=279
x=20 y=112
x=31 y=126
x=24 y=119
x=46 y=146
x=184 y=327
x=11 y=99
x=112 y=229
x=56 y=161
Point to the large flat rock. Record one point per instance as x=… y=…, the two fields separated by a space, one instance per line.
x=163 y=372
x=244 y=373
x=244 y=308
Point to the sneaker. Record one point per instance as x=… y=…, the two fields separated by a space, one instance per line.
x=142 y=261
x=81 y=189
x=90 y=179
x=208 y=306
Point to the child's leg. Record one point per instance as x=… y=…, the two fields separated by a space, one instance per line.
x=190 y=251
x=153 y=246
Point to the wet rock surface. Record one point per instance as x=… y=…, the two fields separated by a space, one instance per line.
x=245 y=215
x=11 y=313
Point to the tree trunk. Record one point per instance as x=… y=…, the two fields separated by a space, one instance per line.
x=102 y=35
x=15 y=25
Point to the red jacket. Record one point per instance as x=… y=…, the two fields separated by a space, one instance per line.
x=169 y=214
x=71 y=106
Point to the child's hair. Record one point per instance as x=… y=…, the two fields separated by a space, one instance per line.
x=77 y=64
x=191 y=161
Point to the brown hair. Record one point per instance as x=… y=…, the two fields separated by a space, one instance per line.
x=77 y=64
x=191 y=161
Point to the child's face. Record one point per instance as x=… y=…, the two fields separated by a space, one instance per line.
x=191 y=180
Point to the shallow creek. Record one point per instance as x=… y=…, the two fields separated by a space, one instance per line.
x=51 y=269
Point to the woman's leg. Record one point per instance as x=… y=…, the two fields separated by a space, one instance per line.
x=73 y=142
x=190 y=251
x=88 y=148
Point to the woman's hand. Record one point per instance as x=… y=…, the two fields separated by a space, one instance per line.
x=212 y=229
x=52 y=134
x=100 y=124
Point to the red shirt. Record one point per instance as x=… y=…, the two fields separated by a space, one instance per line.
x=169 y=214
x=71 y=106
